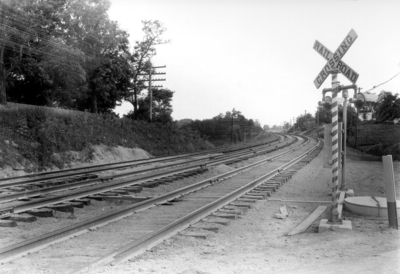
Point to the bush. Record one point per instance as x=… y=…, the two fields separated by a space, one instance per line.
x=40 y=133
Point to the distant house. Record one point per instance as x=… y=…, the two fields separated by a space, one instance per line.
x=366 y=116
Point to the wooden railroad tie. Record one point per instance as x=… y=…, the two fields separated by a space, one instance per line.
x=41 y=212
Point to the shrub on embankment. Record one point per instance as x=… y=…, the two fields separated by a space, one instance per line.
x=36 y=135
x=377 y=139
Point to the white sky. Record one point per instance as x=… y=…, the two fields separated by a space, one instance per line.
x=257 y=56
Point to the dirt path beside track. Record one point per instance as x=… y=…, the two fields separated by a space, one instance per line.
x=257 y=243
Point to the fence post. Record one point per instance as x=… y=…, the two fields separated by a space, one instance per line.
x=388 y=178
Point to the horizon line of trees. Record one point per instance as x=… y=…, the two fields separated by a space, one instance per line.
x=386 y=109
x=232 y=127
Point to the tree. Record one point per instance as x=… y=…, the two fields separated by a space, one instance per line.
x=31 y=37
x=162 y=108
x=324 y=114
x=143 y=52
x=64 y=75
x=108 y=84
x=46 y=80
x=16 y=33
x=231 y=126
x=69 y=55
x=286 y=125
x=351 y=119
x=387 y=107
x=305 y=122
x=107 y=53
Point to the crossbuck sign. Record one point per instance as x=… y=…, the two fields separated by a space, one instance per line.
x=334 y=60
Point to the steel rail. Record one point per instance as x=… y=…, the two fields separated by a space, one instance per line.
x=90 y=182
x=111 y=186
x=128 y=164
x=152 y=239
x=20 y=183
x=17 y=250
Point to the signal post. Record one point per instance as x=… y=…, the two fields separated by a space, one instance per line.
x=149 y=87
x=334 y=66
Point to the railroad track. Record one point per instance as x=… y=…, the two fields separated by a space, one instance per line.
x=29 y=181
x=89 y=170
x=170 y=212
x=30 y=199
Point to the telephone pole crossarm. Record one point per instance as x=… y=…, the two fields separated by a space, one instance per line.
x=149 y=87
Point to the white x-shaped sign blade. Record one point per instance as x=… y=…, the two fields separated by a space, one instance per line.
x=334 y=60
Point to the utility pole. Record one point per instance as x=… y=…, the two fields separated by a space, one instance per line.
x=232 y=129
x=356 y=137
x=294 y=124
x=150 y=86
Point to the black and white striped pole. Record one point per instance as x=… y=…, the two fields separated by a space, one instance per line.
x=334 y=66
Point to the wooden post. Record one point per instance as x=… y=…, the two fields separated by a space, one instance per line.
x=150 y=96
x=344 y=140
x=232 y=128
x=388 y=178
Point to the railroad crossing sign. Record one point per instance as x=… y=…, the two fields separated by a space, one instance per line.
x=334 y=60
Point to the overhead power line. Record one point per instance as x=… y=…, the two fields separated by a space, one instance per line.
x=64 y=58
x=22 y=26
x=383 y=82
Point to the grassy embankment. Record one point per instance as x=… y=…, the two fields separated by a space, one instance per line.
x=37 y=138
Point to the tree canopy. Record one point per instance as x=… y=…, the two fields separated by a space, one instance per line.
x=388 y=107
x=143 y=52
x=69 y=54
x=232 y=126
x=162 y=108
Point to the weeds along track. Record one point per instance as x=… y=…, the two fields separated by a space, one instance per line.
x=29 y=196
x=88 y=171
x=172 y=208
x=40 y=180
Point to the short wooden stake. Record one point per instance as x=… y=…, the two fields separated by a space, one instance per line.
x=388 y=178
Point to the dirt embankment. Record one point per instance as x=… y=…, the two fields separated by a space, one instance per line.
x=101 y=154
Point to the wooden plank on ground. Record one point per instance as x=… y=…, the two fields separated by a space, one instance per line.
x=308 y=221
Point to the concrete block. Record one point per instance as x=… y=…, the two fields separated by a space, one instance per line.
x=350 y=193
x=326 y=225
